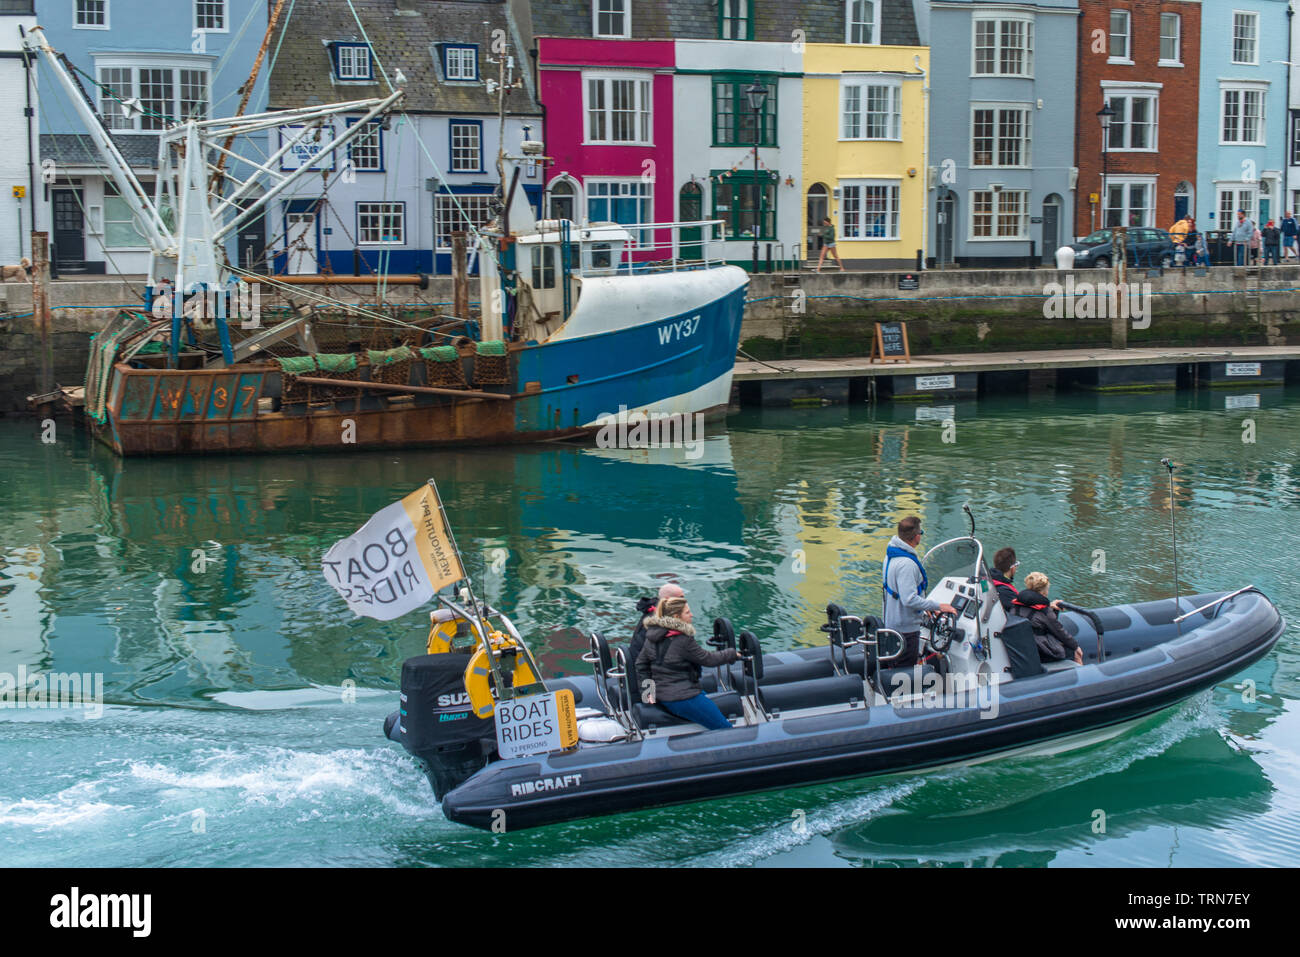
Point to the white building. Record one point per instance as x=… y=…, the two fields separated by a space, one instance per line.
x=20 y=160
x=713 y=144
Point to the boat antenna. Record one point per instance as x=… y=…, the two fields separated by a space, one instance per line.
x=966 y=508
x=1173 y=534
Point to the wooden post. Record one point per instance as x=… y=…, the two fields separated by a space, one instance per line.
x=1119 y=276
x=460 y=275
x=41 y=307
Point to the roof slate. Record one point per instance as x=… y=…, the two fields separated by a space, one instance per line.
x=402 y=39
x=822 y=21
x=76 y=149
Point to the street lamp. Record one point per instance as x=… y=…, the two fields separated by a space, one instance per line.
x=757 y=98
x=1105 y=114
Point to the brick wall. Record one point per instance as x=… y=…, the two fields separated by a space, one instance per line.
x=1175 y=160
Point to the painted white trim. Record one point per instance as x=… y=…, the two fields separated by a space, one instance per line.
x=1139 y=86
x=627 y=21
x=1130 y=94
x=1026 y=214
x=863 y=81
x=997 y=16
x=225 y=18
x=1027 y=141
x=106 y=25
x=1232 y=39
x=605 y=76
x=1127 y=58
x=875 y=23
x=1247 y=87
x=844 y=183
x=1178 y=39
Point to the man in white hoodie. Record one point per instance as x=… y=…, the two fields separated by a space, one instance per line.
x=905 y=588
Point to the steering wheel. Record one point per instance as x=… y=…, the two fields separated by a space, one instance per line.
x=943 y=629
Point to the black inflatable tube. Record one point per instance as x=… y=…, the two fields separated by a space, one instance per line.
x=701 y=769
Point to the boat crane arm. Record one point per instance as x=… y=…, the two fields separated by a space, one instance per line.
x=146 y=214
x=356 y=129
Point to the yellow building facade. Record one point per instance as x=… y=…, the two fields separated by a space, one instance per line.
x=866 y=113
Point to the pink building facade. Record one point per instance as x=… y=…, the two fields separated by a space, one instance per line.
x=609 y=129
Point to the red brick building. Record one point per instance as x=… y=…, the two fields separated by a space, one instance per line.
x=1143 y=58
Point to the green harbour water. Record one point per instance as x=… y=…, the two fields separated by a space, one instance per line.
x=244 y=704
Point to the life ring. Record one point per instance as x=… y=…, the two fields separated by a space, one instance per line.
x=478 y=673
x=443 y=633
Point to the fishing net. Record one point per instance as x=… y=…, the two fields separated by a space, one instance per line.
x=443 y=368
x=491 y=364
x=391 y=366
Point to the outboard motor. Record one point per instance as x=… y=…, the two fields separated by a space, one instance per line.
x=436 y=724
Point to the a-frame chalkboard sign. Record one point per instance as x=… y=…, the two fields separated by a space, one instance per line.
x=890 y=344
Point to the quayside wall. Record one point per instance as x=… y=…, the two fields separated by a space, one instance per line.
x=805 y=314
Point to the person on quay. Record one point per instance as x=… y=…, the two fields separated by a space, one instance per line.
x=1290 y=229
x=1242 y=234
x=1192 y=244
x=673 y=661
x=1272 y=239
x=1054 y=642
x=905 y=587
x=1178 y=231
x=1004 y=570
x=827 y=233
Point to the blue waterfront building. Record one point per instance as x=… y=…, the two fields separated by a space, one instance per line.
x=389 y=202
x=1002 y=120
x=1243 y=117
x=144 y=64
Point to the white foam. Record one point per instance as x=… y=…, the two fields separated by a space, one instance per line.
x=784 y=836
x=314 y=696
x=282 y=777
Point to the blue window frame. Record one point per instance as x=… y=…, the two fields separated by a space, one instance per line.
x=366 y=152
x=352 y=61
x=465 y=146
x=460 y=61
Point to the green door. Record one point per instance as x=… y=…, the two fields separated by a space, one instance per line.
x=690 y=210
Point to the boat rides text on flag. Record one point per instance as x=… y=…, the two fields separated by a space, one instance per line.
x=398 y=560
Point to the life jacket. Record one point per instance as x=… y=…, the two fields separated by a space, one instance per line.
x=892 y=552
x=1017 y=601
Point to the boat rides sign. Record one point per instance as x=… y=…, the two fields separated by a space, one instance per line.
x=536 y=724
x=398 y=560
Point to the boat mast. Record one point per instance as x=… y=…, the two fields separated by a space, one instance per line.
x=245 y=94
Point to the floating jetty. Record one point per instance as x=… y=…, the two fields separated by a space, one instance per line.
x=955 y=376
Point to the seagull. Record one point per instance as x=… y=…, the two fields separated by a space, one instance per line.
x=399 y=78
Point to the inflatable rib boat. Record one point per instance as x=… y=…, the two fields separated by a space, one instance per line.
x=820 y=714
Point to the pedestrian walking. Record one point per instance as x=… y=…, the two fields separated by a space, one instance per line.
x=1290 y=228
x=1271 y=237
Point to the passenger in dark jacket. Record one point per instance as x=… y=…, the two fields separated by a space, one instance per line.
x=1004 y=570
x=1054 y=642
x=670 y=663
x=648 y=608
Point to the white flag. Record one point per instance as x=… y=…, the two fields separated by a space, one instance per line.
x=396 y=561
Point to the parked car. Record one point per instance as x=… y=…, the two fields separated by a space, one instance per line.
x=1146 y=247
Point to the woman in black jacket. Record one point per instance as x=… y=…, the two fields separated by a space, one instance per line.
x=1054 y=642
x=670 y=662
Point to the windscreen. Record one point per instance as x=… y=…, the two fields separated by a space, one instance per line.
x=954 y=559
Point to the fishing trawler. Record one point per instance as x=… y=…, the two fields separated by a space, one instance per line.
x=579 y=327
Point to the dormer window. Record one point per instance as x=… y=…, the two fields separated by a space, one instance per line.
x=611 y=18
x=352 y=61
x=460 y=61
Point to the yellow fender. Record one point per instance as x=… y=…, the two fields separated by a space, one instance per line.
x=478 y=673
